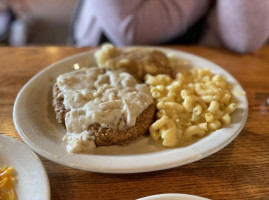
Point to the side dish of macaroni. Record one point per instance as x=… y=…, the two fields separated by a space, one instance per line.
x=7 y=191
x=195 y=103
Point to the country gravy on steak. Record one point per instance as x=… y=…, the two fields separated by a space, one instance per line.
x=112 y=99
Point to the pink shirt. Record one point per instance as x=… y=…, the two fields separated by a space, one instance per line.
x=239 y=25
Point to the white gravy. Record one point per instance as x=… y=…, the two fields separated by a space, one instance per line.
x=112 y=99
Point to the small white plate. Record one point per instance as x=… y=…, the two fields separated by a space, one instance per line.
x=35 y=121
x=173 y=196
x=32 y=180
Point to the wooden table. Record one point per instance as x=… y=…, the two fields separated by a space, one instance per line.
x=239 y=171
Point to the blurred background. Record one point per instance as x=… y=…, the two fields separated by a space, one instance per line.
x=241 y=26
x=36 y=22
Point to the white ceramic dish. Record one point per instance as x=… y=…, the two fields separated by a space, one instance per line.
x=32 y=180
x=35 y=122
x=172 y=196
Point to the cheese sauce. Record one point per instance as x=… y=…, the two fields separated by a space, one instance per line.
x=112 y=99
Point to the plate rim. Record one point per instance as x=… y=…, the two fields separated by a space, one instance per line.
x=34 y=157
x=173 y=164
x=171 y=195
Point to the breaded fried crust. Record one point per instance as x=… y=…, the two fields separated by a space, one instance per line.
x=108 y=136
x=58 y=105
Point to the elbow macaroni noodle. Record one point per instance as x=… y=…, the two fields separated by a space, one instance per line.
x=193 y=104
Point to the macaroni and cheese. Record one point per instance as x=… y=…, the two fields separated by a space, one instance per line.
x=7 y=180
x=193 y=104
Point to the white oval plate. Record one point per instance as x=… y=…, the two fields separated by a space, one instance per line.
x=32 y=180
x=173 y=196
x=35 y=121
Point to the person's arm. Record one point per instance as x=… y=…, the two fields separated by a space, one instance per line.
x=242 y=25
x=145 y=21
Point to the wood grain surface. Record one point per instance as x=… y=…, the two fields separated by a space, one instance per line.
x=239 y=171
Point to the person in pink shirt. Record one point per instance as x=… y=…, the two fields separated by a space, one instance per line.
x=239 y=25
